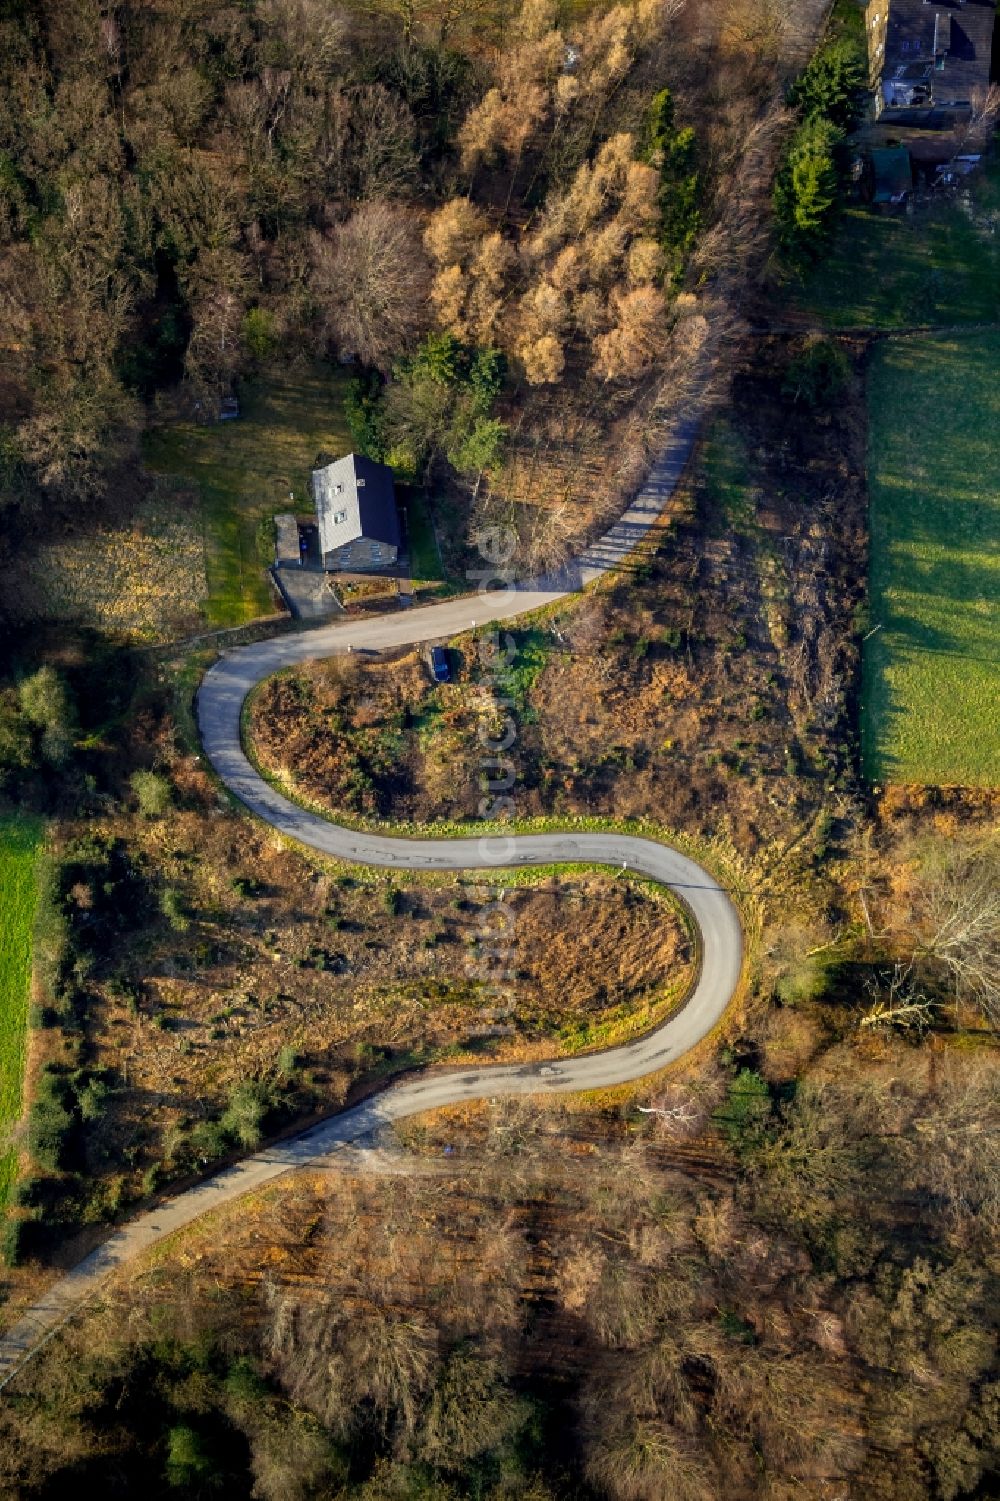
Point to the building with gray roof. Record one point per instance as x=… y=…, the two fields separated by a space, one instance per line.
x=931 y=60
x=356 y=510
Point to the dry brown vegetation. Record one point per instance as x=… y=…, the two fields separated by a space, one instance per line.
x=140 y=579
x=236 y=962
x=696 y=1302
x=330 y=962
x=580 y=445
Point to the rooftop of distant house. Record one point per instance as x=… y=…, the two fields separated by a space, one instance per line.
x=930 y=55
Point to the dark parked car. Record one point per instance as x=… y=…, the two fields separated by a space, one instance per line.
x=440 y=671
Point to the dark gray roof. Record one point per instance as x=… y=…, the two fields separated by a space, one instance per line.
x=892 y=172
x=355 y=498
x=956 y=34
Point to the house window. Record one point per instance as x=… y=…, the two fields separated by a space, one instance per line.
x=338 y=517
x=376 y=551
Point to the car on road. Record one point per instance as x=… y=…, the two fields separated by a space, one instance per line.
x=438 y=663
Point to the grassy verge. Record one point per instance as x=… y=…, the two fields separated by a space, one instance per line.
x=940 y=266
x=622 y=1024
x=245 y=471
x=20 y=837
x=425 y=560
x=727 y=478
x=931 y=674
x=725 y=471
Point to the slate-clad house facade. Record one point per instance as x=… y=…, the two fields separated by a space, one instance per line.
x=356 y=510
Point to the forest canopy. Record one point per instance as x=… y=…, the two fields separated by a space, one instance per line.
x=189 y=188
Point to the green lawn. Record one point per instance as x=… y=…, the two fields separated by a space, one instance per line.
x=19 y=841
x=891 y=271
x=244 y=471
x=425 y=560
x=725 y=473
x=931 y=672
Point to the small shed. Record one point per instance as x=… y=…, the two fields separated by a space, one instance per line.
x=356 y=510
x=890 y=175
x=229 y=409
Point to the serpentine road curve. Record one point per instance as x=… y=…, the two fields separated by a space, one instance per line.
x=220 y=701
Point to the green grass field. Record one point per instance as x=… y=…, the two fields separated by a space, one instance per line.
x=890 y=271
x=19 y=841
x=931 y=671
x=425 y=560
x=244 y=471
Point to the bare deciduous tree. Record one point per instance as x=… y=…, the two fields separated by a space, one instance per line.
x=961 y=925
x=898 y=1003
x=370 y=278
x=368 y=146
x=332 y=1357
x=644 y=1459
x=453 y=231
x=312 y=34
x=475 y=264
x=544 y=359
x=214 y=351
x=508 y=115
x=637 y=337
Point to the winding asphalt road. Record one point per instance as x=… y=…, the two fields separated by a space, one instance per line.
x=220 y=701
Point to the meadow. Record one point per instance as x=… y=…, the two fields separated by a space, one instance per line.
x=248 y=470
x=425 y=558
x=931 y=665
x=891 y=270
x=20 y=837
